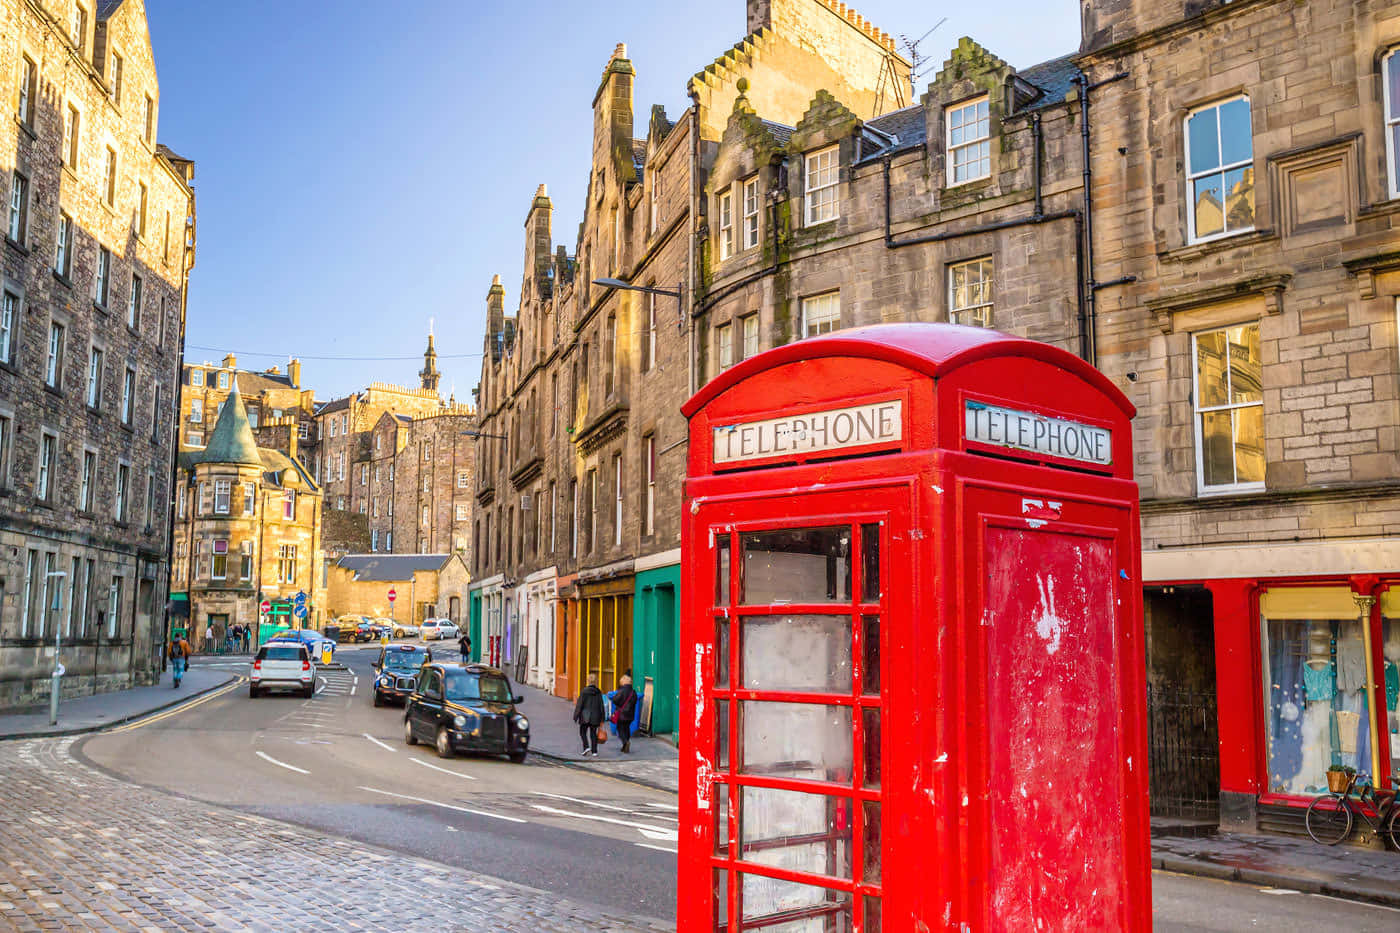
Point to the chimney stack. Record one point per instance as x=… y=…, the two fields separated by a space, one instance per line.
x=230 y=362
x=294 y=372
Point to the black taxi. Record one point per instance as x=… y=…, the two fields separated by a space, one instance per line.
x=466 y=708
x=396 y=672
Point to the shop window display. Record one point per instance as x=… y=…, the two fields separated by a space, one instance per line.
x=1390 y=679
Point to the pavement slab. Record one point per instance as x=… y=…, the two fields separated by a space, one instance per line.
x=101 y=710
x=80 y=849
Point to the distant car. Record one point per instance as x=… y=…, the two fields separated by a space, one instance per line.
x=396 y=672
x=282 y=665
x=312 y=639
x=365 y=630
x=466 y=707
x=399 y=629
x=434 y=629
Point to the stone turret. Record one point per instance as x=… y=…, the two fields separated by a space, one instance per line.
x=429 y=374
x=232 y=440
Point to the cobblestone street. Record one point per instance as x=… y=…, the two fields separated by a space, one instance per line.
x=82 y=851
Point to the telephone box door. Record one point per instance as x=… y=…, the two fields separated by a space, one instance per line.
x=1048 y=578
x=790 y=677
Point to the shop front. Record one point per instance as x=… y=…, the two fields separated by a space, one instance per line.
x=538 y=595
x=497 y=613
x=605 y=624
x=1313 y=662
x=656 y=640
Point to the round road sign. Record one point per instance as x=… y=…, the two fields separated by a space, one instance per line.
x=393 y=594
x=266 y=607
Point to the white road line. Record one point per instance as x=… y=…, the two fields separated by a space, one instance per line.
x=643 y=845
x=447 y=806
x=419 y=761
x=659 y=833
x=1340 y=900
x=604 y=806
x=352 y=691
x=357 y=678
x=282 y=764
x=320 y=688
x=663 y=806
x=387 y=748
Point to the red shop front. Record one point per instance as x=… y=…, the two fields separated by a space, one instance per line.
x=912 y=652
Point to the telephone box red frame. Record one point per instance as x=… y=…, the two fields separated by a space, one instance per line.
x=1006 y=730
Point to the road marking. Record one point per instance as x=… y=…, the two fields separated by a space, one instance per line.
x=320 y=688
x=387 y=748
x=601 y=806
x=352 y=689
x=1278 y=891
x=182 y=707
x=419 y=761
x=1342 y=900
x=643 y=845
x=659 y=833
x=281 y=764
x=357 y=678
x=447 y=806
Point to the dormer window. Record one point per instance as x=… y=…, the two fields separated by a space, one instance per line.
x=196 y=377
x=822 y=174
x=969 y=141
x=79 y=27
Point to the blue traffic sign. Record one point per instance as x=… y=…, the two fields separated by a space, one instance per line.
x=299 y=601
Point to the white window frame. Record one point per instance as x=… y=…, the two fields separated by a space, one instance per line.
x=822 y=174
x=725 y=212
x=121 y=494
x=72 y=133
x=196 y=377
x=17 y=223
x=1197 y=410
x=1392 y=123
x=223 y=496
x=250 y=498
x=133 y=303
x=223 y=380
x=63 y=246
x=28 y=90
x=649 y=478
x=976 y=313
x=96 y=364
x=724 y=346
x=129 y=397
x=46 y=465
x=150 y=498
x=617 y=500
x=87 y=481
x=654 y=200
x=289 y=505
x=966 y=150
x=10 y=316
x=102 y=280
x=824 y=322
x=751 y=212
x=1222 y=169
x=748 y=335
x=114 y=605
x=109 y=176
x=53 y=362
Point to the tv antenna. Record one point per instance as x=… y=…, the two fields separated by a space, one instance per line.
x=916 y=61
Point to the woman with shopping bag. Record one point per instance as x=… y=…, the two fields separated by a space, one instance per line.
x=588 y=713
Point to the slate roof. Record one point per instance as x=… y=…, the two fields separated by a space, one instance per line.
x=390 y=567
x=250 y=383
x=907 y=124
x=232 y=440
x=1053 y=79
x=335 y=404
x=639 y=156
x=779 y=131
x=106 y=8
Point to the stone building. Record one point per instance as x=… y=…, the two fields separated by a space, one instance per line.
x=269 y=394
x=425 y=586
x=247 y=530
x=99 y=241
x=1246 y=186
x=581 y=458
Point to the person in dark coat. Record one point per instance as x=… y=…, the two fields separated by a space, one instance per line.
x=624 y=701
x=588 y=713
x=465 y=644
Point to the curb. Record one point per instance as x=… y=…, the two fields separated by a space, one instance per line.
x=580 y=766
x=1275 y=879
x=81 y=730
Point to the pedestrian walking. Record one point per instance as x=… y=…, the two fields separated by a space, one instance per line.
x=624 y=701
x=246 y=635
x=588 y=713
x=465 y=643
x=179 y=655
x=209 y=639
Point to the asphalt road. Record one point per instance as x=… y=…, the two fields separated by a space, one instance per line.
x=338 y=764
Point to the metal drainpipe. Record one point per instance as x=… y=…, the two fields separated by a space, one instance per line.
x=1090 y=284
x=185 y=265
x=690 y=253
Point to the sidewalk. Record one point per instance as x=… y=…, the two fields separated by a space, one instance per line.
x=91 y=713
x=554 y=735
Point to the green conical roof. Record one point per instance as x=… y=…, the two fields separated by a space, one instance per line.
x=232 y=440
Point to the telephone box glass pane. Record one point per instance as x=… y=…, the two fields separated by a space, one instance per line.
x=870 y=716
x=721 y=899
x=797 y=565
x=870 y=656
x=772 y=903
x=872 y=915
x=722 y=570
x=871 y=846
x=870 y=563
x=797 y=740
x=722 y=653
x=721 y=818
x=796 y=831
x=722 y=737
x=797 y=653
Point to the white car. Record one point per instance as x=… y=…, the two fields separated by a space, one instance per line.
x=401 y=629
x=440 y=628
x=282 y=665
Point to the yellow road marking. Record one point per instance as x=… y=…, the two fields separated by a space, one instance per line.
x=182 y=707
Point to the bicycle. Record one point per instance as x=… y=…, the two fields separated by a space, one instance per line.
x=1331 y=816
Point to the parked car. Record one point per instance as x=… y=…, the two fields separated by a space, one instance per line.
x=312 y=639
x=434 y=629
x=353 y=628
x=468 y=708
x=282 y=665
x=396 y=672
x=399 y=629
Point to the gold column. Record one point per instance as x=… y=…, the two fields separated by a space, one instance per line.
x=1363 y=605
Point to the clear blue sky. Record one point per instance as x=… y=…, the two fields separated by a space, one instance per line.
x=363 y=167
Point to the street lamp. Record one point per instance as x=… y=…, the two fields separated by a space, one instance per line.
x=499 y=437
x=675 y=293
x=56 y=605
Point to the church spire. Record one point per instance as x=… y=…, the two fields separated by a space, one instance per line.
x=429 y=373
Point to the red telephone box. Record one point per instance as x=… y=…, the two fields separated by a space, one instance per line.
x=913 y=694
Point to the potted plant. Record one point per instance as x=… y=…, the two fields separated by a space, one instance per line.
x=1339 y=778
